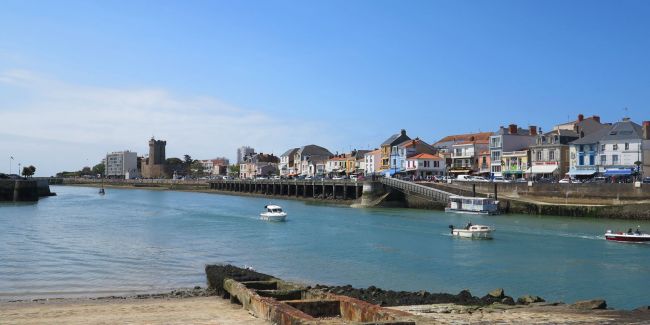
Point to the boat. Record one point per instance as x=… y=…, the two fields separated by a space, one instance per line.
x=472 y=205
x=101 y=190
x=473 y=231
x=630 y=236
x=273 y=213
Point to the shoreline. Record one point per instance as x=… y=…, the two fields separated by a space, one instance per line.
x=202 y=306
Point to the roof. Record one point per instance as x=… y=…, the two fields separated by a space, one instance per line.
x=592 y=137
x=374 y=152
x=395 y=139
x=313 y=150
x=484 y=152
x=425 y=156
x=289 y=152
x=465 y=137
x=624 y=130
x=338 y=158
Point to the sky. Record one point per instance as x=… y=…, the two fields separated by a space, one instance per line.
x=79 y=79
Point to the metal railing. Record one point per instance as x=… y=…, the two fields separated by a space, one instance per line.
x=417 y=189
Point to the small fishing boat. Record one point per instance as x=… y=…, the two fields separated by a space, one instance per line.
x=472 y=205
x=630 y=236
x=472 y=231
x=273 y=213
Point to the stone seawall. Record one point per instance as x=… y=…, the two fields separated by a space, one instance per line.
x=19 y=190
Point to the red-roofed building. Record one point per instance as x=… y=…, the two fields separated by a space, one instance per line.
x=424 y=165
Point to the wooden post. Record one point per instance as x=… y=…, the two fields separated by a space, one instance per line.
x=495 y=192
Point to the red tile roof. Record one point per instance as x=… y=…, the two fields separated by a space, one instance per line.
x=426 y=156
x=466 y=137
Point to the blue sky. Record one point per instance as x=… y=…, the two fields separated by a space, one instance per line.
x=85 y=78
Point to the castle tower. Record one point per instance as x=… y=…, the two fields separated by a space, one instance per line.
x=155 y=164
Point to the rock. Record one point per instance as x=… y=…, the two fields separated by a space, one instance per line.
x=590 y=304
x=497 y=293
x=529 y=299
x=643 y=309
x=508 y=301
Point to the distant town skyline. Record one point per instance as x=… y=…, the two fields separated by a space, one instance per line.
x=80 y=79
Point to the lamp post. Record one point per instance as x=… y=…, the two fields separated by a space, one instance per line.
x=19 y=170
x=11 y=159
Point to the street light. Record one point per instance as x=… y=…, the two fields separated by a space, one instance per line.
x=11 y=158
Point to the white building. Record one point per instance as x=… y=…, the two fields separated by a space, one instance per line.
x=122 y=164
x=242 y=152
x=511 y=139
x=373 y=162
x=425 y=164
x=287 y=164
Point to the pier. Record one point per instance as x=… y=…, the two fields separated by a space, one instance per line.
x=319 y=189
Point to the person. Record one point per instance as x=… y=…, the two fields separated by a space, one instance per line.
x=638 y=231
x=469 y=224
x=629 y=231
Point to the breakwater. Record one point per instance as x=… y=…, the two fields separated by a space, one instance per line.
x=23 y=190
x=321 y=189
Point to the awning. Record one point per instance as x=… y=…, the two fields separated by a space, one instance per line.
x=542 y=169
x=618 y=172
x=459 y=171
x=581 y=172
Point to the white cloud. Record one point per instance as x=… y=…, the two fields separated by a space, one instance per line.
x=84 y=122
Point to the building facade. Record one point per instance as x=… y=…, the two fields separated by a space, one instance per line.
x=373 y=162
x=242 y=152
x=425 y=165
x=153 y=166
x=310 y=160
x=287 y=163
x=509 y=139
x=388 y=157
x=122 y=164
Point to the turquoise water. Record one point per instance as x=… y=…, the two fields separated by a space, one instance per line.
x=82 y=244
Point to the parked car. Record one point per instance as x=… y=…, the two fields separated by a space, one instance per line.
x=353 y=177
x=646 y=180
x=521 y=180
x=500 y=179
x=464 y=178
x=479 y=179
x=336 y=178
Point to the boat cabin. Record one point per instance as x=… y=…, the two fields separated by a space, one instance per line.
x=273 y=208
x=473 y=204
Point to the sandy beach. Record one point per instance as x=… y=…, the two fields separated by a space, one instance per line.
x=195 y=310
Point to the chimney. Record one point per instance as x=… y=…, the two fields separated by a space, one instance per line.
x=596 y=118
x=646 y=130
x=532 y=130
x=580 y=117
x=512 y=129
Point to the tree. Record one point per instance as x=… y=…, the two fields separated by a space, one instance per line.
x=86 y=171
x=29 y=171
x=174 y=165
x=196 y=169
x=233 y=170
x=99 y=169
x=187 y=163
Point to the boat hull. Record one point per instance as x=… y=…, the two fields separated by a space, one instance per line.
x=273 y=216
x=470 y=212
x=628 y=238
x=472 y=234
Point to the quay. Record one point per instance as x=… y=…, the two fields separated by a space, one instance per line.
x=319 y=189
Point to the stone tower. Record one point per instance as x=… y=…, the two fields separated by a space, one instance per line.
x=154 y=166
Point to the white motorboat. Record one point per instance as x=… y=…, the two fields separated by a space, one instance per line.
x=472 y=205
x=273 y=213
x=473 y=231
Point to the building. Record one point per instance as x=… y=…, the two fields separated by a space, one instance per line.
x=509 y=139
x=242 y=152
x=259 y=164
x=310 y=160
x=515 y=164
x=216 y=166
x=287 y=162
x=645 y=167
x=154 y=164
x=122 y=164
x=550 y=153
x=408 y=148
x=425 y=165
x=465 y=155
x=373 y=162
x=336 y=165
x=620 y=152
x=348 y=163
x=484 y=166
x=387 y=154
x=583 y=153
x=444 y=145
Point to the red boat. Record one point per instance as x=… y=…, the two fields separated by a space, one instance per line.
x=631 y=236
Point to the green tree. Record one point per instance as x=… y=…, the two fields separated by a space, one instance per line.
x=174 y=165
x=187 y=163
x=86 y=171
x=99 y=169
x=233 y=170
x=29 y=171
x=196 y=169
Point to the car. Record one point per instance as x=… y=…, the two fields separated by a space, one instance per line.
x=479 y=179
x=353 y=177
x=337 y=178
x=521 y=180
x=646 y=180
x=500 y=179
x=565 y=181
x=463 y=178
x=598 y=179
x=275 y=177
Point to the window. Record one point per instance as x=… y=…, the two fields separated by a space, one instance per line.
x=436 y=164
x=603 y=159
x=551 y=155
x=582 y=148
x=581 y=160
x=602 y=147
x=614 y=159
x=426 y=163
x=615 y=147
x=539 y=155
x=627 y=146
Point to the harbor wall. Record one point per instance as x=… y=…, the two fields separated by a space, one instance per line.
x=19 y=190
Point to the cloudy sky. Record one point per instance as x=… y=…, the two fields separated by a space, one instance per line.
x=79 y=79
